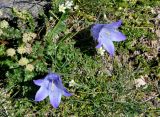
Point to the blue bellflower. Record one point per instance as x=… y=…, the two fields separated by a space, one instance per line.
x=51 y=86
x=105 y=34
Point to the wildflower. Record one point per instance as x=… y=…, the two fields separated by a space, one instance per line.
x=62 y=8
x=29 y=67
x=11 y=52
x=4 y=24
x=105 y=34
x=69 y=4
x=21 y=50
x=51 y=18
x=23 y=61
x=33 y=35
x=28 y=48
x=51 y=86
x=72 y=83
x=101 y=51
x=76 y=7
x=28 y=37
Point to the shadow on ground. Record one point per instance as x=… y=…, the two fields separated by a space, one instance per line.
x=26 y=89
x=85 y=42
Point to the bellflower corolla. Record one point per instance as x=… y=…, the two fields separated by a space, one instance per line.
x=51 y=86
x=105 y=34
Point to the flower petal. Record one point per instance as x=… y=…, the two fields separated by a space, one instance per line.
x=99 y=44
x=52 y=76
x=38 y=82
x=55 y=96
x=66 y=93
x=114 y=24
x=41 y=94
x=107 y=43
x=117 y=36
x=95 y=30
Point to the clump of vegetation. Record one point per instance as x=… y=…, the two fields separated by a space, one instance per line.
x=59 y=40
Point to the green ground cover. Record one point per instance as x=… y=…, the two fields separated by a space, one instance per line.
x=103 y=86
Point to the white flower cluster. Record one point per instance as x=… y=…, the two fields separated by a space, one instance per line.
x=67 y=5
x=27 y=37
x=72 y=83
x=101 y=51
x=11 y=52
x=25 y=48
x=24 y=62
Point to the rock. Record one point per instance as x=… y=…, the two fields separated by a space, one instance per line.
x=33 y=6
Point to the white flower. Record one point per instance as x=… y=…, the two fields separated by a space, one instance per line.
x=69 y=4
x=51 y=18
x=72 y=83
x=11 y=52
x=28 y=37
x=21 y=50
x=76 y=7
x=33 y=35
x=140 y=82
x=4 y=24
x=23 y=61
x=29 y=67
x=28 y=48
x=62 y=8
x=101 y=51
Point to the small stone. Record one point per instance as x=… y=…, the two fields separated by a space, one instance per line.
x=140 y=82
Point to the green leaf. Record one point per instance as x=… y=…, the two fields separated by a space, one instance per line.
x=59 y=27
